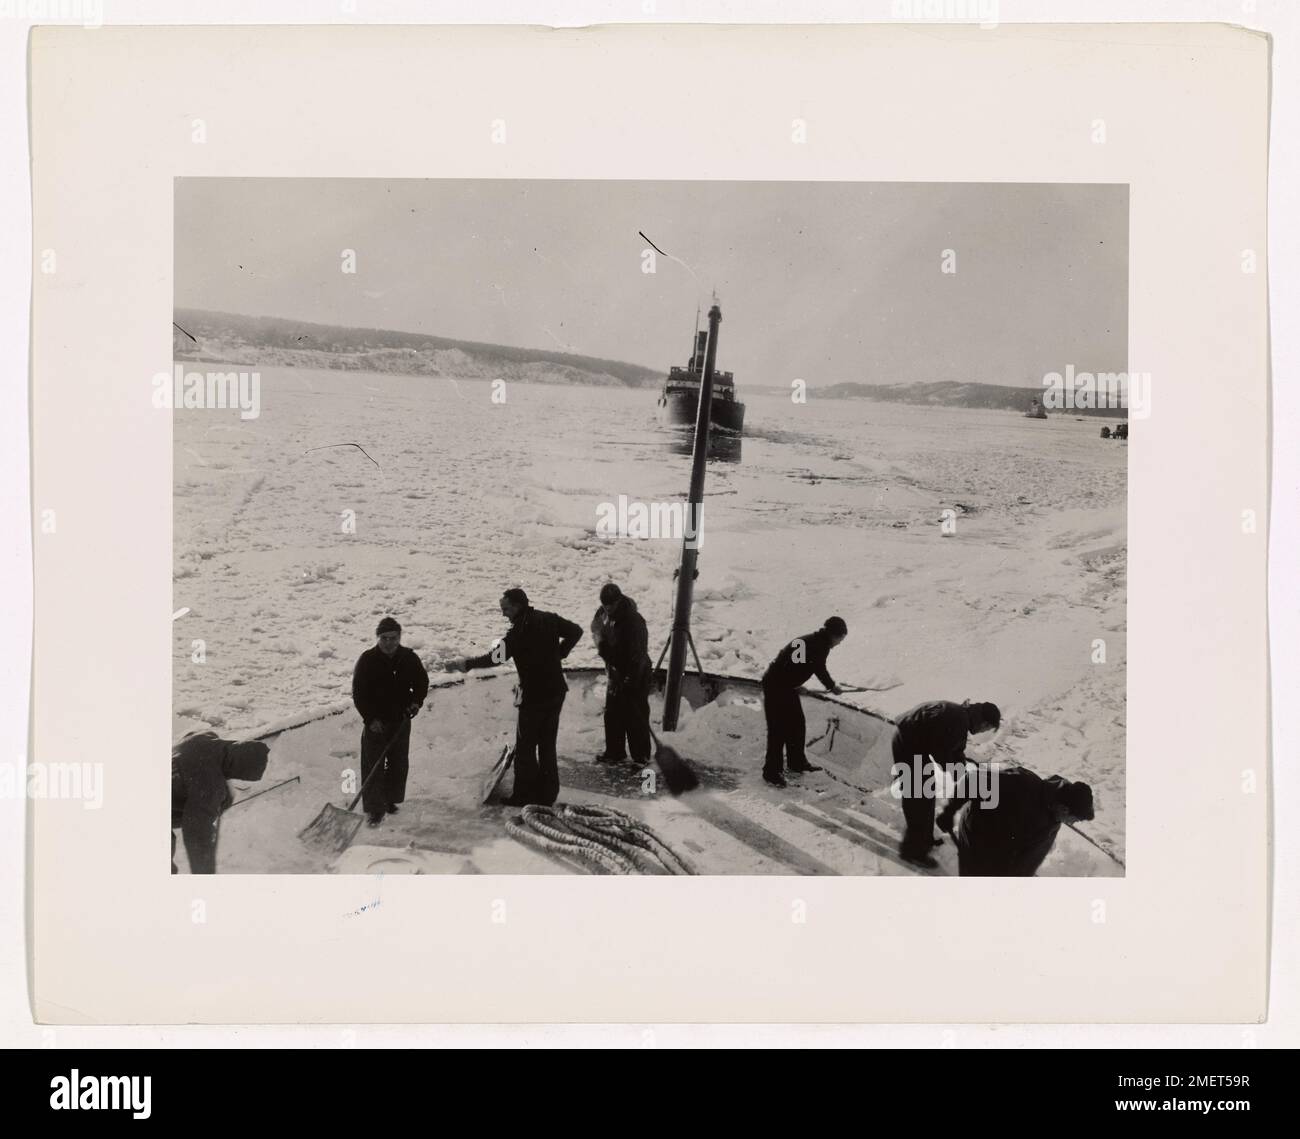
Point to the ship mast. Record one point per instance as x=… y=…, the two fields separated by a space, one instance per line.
x=686 y=571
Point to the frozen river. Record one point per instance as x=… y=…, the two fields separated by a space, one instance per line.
x=285 y=556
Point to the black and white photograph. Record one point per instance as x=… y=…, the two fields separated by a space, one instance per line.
x=512 y=466
x=544 y=527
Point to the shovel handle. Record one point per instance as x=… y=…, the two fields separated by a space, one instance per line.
x=264 y=791
x=379 y=763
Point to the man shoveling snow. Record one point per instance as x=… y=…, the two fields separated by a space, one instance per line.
x=201 y=764
x=802 y=658
x=932 y=734
x=1010 y=834
x=388 y=688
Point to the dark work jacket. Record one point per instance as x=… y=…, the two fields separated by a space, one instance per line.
x=786 y=672
x=937 y=729
x=201 y=764
x=536 y=642
x=383 y=687
x=1013 y=838
x=622 y=642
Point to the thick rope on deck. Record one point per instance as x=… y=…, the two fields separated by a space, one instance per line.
x=610 y=840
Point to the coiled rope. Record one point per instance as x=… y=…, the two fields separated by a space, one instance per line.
x=614 y=842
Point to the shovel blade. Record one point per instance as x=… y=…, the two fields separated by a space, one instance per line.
x=493 y=780
x=332 y=831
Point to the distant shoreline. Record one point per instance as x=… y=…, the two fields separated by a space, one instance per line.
x=951 y=393
x=200 y=336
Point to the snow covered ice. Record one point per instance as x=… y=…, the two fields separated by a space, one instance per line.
x=286 y=557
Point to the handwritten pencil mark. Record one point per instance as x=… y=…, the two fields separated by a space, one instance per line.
x=327 y=446
x=654 y=246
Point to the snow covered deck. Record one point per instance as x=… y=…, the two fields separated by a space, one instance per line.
x=840 y=821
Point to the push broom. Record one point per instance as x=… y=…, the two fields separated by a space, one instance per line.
x=676 y=771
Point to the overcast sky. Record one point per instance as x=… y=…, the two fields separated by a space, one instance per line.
x=822 y=281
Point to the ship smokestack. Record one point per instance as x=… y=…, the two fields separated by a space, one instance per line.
x=701 y=345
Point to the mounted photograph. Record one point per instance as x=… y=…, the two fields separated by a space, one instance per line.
x=649 y=527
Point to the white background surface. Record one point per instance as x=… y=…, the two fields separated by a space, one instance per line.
x=16 y=1028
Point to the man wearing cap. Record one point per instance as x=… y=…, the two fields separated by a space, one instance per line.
x=803 y=657
x=930 y=734
x=201 y=764
x=1010 y=835
x=389 y=685
x=537 y=642
x=622 y=641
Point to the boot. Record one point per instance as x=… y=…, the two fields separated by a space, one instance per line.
x=918 y=859
x=516 y=801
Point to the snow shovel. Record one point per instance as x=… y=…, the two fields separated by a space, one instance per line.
x=497 y=774
x=333 y=829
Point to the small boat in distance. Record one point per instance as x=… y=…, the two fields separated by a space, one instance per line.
x=1036 y=410
x=680 y=399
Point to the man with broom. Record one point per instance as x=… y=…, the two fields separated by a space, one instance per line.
x=388 y=688
x=537 y=642
x=622 y=641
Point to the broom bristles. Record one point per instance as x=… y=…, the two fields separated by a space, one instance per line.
x=677 y=772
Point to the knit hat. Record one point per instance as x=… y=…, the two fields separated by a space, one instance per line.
x=246 y=760
x=387 y=625
x=1078 y=801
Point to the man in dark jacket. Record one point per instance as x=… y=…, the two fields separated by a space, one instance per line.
x=622 y=642
x=201 y=764
x=389 y=685
x=930 y=734
x=1011 y=834
x=537 y=642
x=803 y=657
